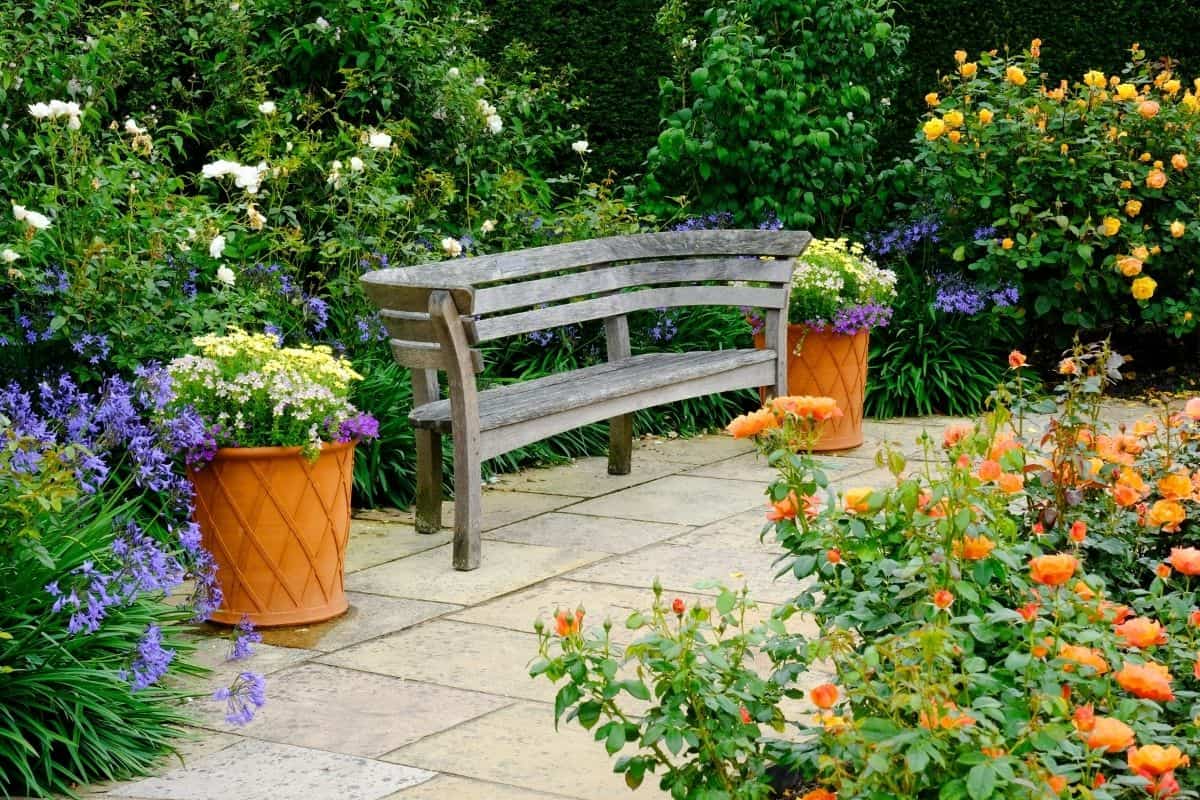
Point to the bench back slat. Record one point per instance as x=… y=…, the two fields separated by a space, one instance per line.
x=427 y=355
x=623 y=303
x=414 y=326
x=521 y=294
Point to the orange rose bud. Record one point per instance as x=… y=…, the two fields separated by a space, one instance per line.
x=1016 y=359
x=1149 y=681
x=1057 y=783
x=1078 y=531
x=824 y=696
x=1194 y=618
x=1110 y=735
x=943 y=598
x=1029 y=611
x=857 y=500
x=1141 y=632
x=1156 y=760
x=1084 y=718
x=565 y=624
x=820 y=794
x=1068 y=367
x=1053 y=570
x=833 y=555
x=745 y=713
x=1163 y=571
x=975 y=548
x=678 y=606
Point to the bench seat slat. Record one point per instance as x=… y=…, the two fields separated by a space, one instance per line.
x=521 y=402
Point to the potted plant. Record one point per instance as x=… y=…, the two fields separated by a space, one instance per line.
x=838 y=295
x=273 y=488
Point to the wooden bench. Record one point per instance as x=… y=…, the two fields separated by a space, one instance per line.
x=436 y=313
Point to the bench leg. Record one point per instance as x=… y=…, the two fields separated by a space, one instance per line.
x=429 y=481
x=468 y=502
x=620 y=445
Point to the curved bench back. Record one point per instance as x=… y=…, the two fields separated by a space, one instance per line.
x=507 y=294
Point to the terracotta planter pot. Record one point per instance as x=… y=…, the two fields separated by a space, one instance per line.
x=277 y=527
x=828 y=364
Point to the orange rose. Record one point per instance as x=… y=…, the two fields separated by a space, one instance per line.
x=857 y=500
x=824 y=696
x=787 y=508
x=1125 y=496
x=806 y=407
x=1083 y=591
x=968 y=69
x=1186 y=560
x=1086 y=656
x=1192 y=408
x=833 y=555
x=947 y=718
x=1078 y=531
x=752 y=424
x=1157 y=179
x=1163 y=571
x=955 y=433
x=1129 y=266
x=1149 y=681
x=1029 y=611
x=1084 y=718
x=943 y=598
x=1155 y=759
x=1068 y=367
x=1003 y=443
x=1178 y=229
x=1179 y=161
x=975 y=548
x=1166 y=514
x=1133 y=207
x=1176 y=486
x=1053 y=570
x=1141 y=632
x=932 y=100
x=1057 y=783
x=565 y=624
x=1016 y=359
x=989 y=470
x=1110 y=735
x=1149 y=109
x=820 y=794
x=1011 y=482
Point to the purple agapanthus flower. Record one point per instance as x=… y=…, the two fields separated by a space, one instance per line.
x=904 y=239
x=318 y=310
x=151 y=662
x=243 y=698
x=957 y=294
x=245 y=637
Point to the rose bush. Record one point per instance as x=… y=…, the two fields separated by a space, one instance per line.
x=1015 y=616
x=1084 y=186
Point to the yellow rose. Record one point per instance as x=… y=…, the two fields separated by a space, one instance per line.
x=1110 y=226
x=1157 y=179
x=960 y=56
x=1140 y=252
x=1143 y=288
x=1063 y=148
x=1129 y=266
x=953 y=119
x=1178 y=229
x=1191 y=103
x=1172 y=87
x=932 y=100
x=1133 y=207
x=985 y=115
x=968 y=70
x=1126 y=91
x=933 y=129
x=1145 y=158
x=1126 y=184
x=1015 y=76
x=1095 y=79
x=1007 y=244
x=856 y=500
x=1179 y=161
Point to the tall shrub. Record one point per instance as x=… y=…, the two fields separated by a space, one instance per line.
x=783 y=113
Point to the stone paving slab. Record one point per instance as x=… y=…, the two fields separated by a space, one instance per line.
x=678 y=499
x=477 y=658
x=251 y=770
x=500 y=507
x=533 y=756
x=739 y=532
x=370 y=615
x=451 y=787
x=680 y=569
x=696 y=450
x=586 y=477
x=356 y=713
x=505 y=567
x=582 y=532
x=373 y=543
x=754 y=467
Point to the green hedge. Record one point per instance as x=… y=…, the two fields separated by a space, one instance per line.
x=618 y=57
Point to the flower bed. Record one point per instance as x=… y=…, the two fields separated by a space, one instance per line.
x=1016 y=616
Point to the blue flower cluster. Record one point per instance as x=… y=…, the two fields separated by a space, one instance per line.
x=708 y=222
x=151 y=661
x=853 y=319
x=243 y=698
x=957 y=294
x=245 y=637
x=903 y=239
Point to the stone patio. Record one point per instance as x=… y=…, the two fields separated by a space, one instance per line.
x=421 y=692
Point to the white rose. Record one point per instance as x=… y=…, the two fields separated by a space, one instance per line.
x=453 y=72
x=19 y=213
x=580 y=147
x=35 y=220
x=451 y=247
x=266 y=107
x=379 y=140
x=217 y=246
x=488 y=226
x=356 y=164
x=480 y=81
x=9 y=255
x=39 y=111
x=220 y=168
x=249 y=178
x=494 y=124
x=132 y=127
x=322 y=23
x=225 y=275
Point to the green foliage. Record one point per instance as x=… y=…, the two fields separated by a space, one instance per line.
x=1088 y=186
x=928 y=361
x=782 y=113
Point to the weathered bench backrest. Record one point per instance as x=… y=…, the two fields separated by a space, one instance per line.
x=528 y=290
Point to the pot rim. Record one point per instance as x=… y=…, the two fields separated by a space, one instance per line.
x=277 y=451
